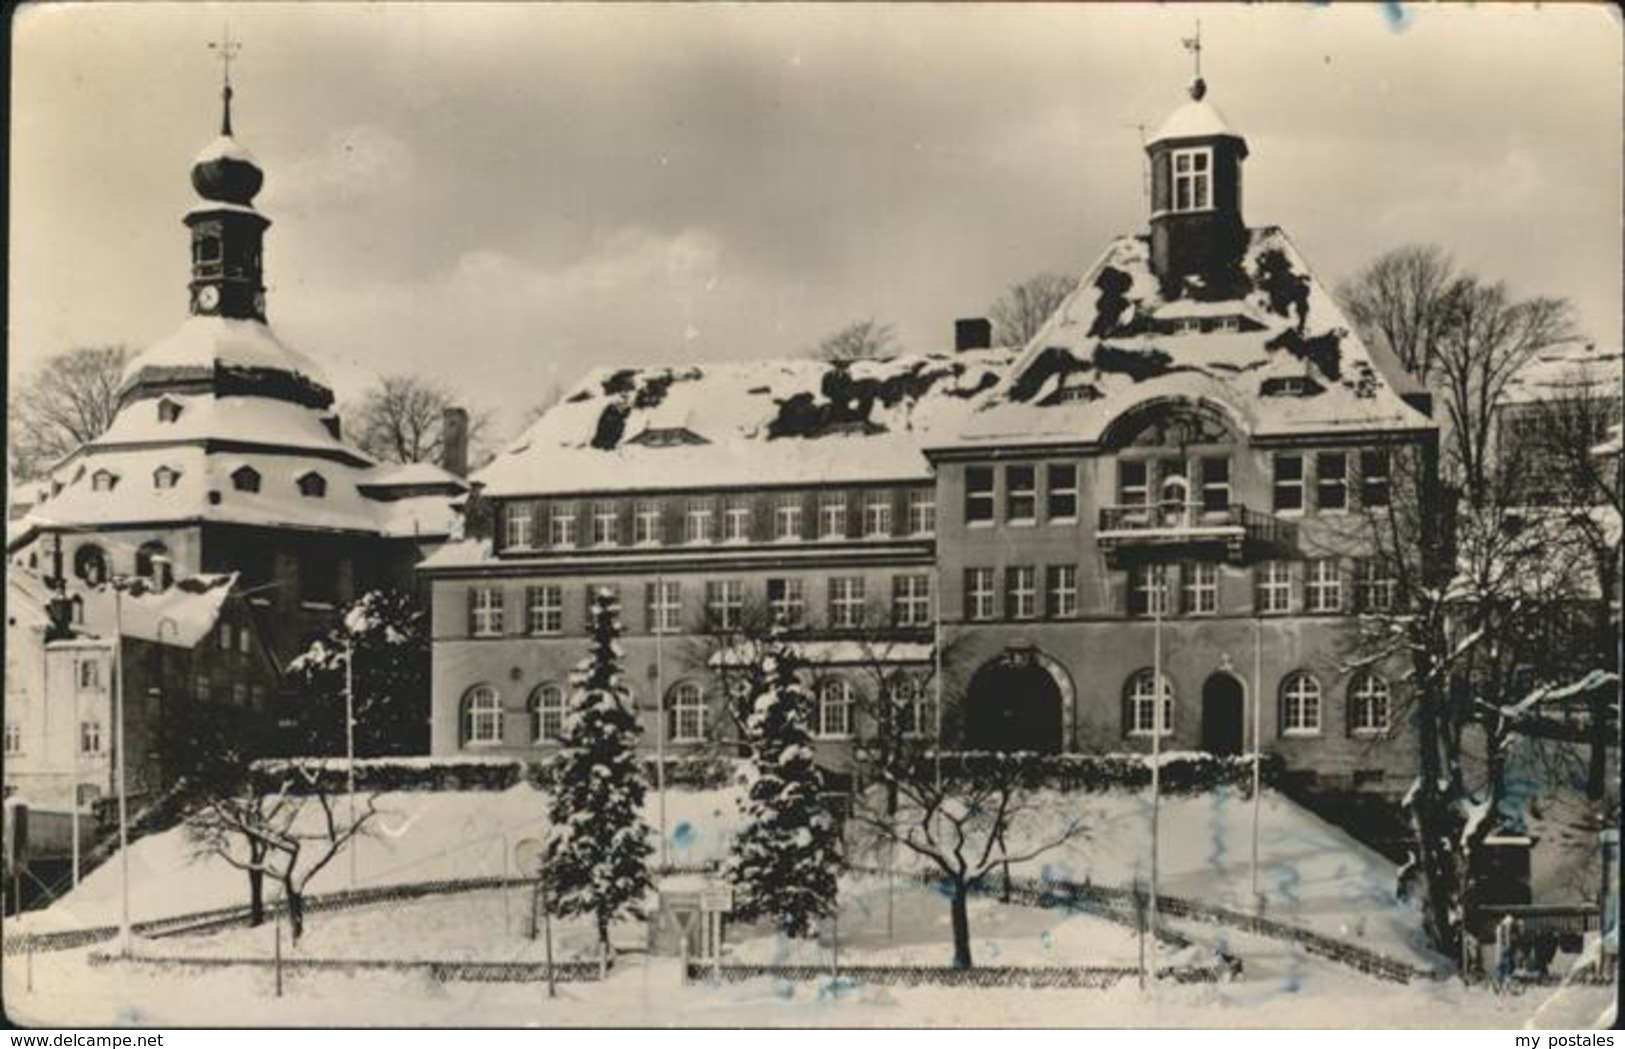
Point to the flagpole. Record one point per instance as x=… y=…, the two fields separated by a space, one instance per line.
x=1258 y=739
x=660 y=710
x=1160 y=595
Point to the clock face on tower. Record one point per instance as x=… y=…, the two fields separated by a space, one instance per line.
x=208 y=297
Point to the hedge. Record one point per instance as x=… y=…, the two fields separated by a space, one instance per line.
x=1184 y=772
x=1095 y=977
x=387 y=775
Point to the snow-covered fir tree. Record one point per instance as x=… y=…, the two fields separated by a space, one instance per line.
x=598 y=849
x=787 y=856
x=386 y=634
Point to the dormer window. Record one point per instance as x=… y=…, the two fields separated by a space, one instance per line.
x=245 y=479
x=1193 y=179
x=165 y=477
x=313 y=486
x=168 y=410
x=103 y=481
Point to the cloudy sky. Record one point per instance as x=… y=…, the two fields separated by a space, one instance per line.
x=503 y=196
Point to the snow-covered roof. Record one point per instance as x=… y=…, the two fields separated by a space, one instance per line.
x=413 y=475
x=1568 y=371
x=205 y=344
x=1274 y=354
x=180 y=615
x=1194 y=119
x=205 y=416
x=225 y=147
x=833 y=653
x=767 y=422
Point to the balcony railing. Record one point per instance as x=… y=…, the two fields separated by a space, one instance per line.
x=1235 y=532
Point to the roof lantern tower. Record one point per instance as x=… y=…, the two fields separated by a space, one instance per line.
x=1196 y=223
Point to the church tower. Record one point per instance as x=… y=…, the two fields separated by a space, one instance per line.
x=1196 y=223
x=227 y=233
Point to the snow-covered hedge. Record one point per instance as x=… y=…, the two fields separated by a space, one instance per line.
x=466 y=773
x=1182 y=772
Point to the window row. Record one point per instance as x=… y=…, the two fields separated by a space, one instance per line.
x=1321 y=586
x=311 y=484
x=152 y=561
x=1333 y=481
x=1301 y=707
x=689 y=713
x=712 y=519
x=1021 y=593
x=1022 y=494
x=783 y=600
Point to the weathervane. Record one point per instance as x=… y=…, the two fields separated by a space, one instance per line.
x=227 y=49
x=1193 y=44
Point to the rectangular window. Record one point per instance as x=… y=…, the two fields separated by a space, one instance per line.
x=1288 y=482
x=787 y=599
x=202 y=688
x=979 y=594
x=1132 y=489
x=922 y=511
x=1148 y=590
x=697 y=524
x=485 y=611
x=1274 y=587
x=1200 y=588
x=1325 y=586
x=226 y=639
x=832 y=515
x=1331 y=481
x=520 y=522
x=90 y=737
x=1021 y=592
x=1193 y=173
x=545 y=609
x=14 y=738
x=648 y=524
x=1061 y=590
x=1375 y=473
x=665 y=607
x=846 y=601
x=978 y=494
x=736 y=520
x=88 y=673
x=911 y=600
x=1020 y=494
x=877 y=515
x=606 y=524
x=725 y=603
x=1215 y=484
x=1061 y=501
x=787 y=518
x=1373 y=588
x=561 y=526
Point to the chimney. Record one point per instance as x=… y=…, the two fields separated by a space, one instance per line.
x=454 y=441
x=972 y=333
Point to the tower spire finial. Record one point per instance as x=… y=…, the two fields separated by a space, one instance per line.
x=1193 y=44
x=227 y=49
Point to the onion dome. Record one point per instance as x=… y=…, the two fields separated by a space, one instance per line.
x=224 y=171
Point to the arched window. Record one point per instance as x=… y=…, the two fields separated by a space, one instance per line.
x=1300 y=704
x=165 y=477
x=482 y=716
x=245 y=479
x=90 y=564
x=547 y=714
x=688 y=713
x=152 y=562
x=834 y=719
x=1368 y=705
x=1139 y=704
x=312 y=485
x=911 y=706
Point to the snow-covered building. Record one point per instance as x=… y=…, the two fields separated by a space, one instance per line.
x=1197 y=430
x=189 y=644
x=227 y=456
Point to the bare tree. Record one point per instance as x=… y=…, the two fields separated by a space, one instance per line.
x=1487 y=337
x=401 y=420
x=1400 y=300
x=289 y=834
x=968 y=823
x=861 y=340
x=1026 y=306
x=68 y=401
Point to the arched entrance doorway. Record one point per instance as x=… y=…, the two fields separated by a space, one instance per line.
x=1223 y=715
x=1015 y=703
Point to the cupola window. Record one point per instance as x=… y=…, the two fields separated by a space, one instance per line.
x=165 y=477
x=313 y=486
x=1193 y=179
x=245 y=479
x=168 y=410
x=103 y=481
